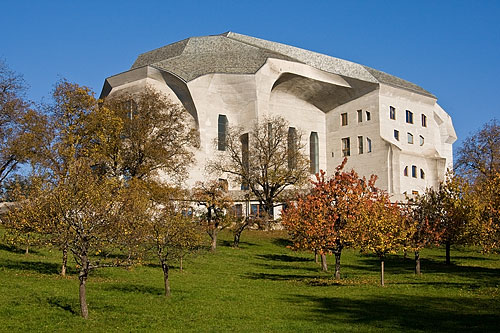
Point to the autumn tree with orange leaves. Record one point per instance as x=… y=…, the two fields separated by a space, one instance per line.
x=325 y=220
x=382 y=227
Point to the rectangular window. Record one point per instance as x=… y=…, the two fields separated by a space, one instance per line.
x=405 y=172
x=422 y=174
x=245 y=159
x=368 y=116
x=360 y=144
x=414 y=171
x=392 y=112
x=410 y=138
x=422 y=140
x=224 y=184
x=314 y=152
x=343 y=117
x=414 y=192
x=368 y=145
x=292 y=148
x=222 y=132
x=360 y=116
x=424 y=120
x=396 y=135
x=346 y=147
x=238 y=210
x=409 y=117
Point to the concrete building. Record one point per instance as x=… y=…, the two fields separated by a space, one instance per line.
x=386 y=125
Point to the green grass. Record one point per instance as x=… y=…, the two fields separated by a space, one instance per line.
x=261 y=287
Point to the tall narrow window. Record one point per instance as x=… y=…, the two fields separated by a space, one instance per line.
x=343 y=118
x=131 y=107
x=414 y=171
x=422 y=140
x=410 y=138
x=424 y=120
x=224 y=184
x=314 y=152
x=292 y=148
x=245 y=159
x=360 y=116
x=422 y=174
x=222 y=132
x=409 y=117
x=346 y=147
x=396 y=135
x=392 y=112
x=368 y=116
x=368 y=145
x=360 y=145
x=405 y=172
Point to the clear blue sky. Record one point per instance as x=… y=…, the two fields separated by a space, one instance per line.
x=451 y=48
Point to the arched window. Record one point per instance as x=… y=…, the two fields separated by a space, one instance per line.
x=314 y=152
x=222 y=132
x=292 y=148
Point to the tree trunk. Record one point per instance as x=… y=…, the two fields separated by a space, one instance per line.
x=82 y=276
x=236 y=241
x=405 y=254
x=316 y=256
x=27 y=251
x=417 y=262
x=64 y=260
x=324 y=266
x=213 y=235
x=382 y=272
x=337 y=265
x=165 y=268
x=448 y=245
x=180 y=263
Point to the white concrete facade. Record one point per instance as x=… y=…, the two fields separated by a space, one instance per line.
x=312 y=91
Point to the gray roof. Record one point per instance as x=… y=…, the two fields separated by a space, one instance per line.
x=240 y=54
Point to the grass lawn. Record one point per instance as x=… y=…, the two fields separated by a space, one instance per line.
x=261 y=287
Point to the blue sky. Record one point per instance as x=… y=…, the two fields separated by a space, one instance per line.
x=451 y=48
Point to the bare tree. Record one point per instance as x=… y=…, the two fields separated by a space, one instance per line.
x=265 y=160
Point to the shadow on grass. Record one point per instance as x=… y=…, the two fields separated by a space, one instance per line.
x=135 y=288
x=282 y=242
x=61 y=303
x=35 y=266
x=276 y=277
x=227 y=243
x=483 y=275
x=406 y=313
x=289 y=267
x=15 y=249
x=283 y=257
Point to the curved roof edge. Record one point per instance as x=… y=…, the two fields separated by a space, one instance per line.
x=231 y=52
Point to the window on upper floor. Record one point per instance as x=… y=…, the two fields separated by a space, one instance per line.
x=343 y=118
x=360 y=116
x=368 y=116
x=292 y=148
x=410 y=138
x=422 y=140
x=392 y=112
x=405 y=172
x=414 y=192
x=414 y=171
x=360 y=145
x=245 y=158
x=222 y=132
x=409 y=117
x=314 y=152
x=346 y=147
x=224 y=184
x=424 y=120
x=396 y=135
x=368 y=145
x=422 y=174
